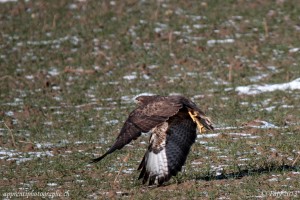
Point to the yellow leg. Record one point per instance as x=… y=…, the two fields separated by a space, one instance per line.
x=199 y=125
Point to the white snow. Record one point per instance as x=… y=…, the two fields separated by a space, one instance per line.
x=210 y=135
x=270 y=108
x=9 y=113
x=227 y=128
x=8 y=153
x=130 y=77
x=5 y=1
x=199 y=26
x=20 y=157
x=244 y=135
x=49 y=123
x=264 y=124
x=273 y=179
x=53 y=72
x=52 y=184
x=257 y=89
x=196 y=163
x=29 y=77
x=146 y=77
x=112 y=122
x=225 y=41
x=258 y=77
x=153 y=66
x=128 y=171
x=293 y=50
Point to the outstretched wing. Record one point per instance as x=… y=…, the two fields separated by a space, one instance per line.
x=169 y=146
x=143 y=119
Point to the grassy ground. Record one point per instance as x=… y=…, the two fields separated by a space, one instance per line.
x=69 y=70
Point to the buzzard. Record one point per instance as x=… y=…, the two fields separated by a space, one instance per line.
x=172 y=122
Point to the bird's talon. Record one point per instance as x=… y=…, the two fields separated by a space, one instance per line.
x=199 y=125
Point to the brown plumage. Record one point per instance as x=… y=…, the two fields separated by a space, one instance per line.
x=172 y=121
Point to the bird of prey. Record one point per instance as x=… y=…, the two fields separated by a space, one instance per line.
x=172 y=122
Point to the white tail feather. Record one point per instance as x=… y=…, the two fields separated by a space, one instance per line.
x=157 y=164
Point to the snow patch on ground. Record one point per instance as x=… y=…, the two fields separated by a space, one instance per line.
x=225 y=41
x=213 y=135
x=20 y=157
x=5 y=1
x=263 y=125
x=257 y=89
x=130 y=77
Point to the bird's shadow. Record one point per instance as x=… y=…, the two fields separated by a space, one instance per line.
x=251 y=171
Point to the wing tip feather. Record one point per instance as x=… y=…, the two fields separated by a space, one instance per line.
x=95 y=160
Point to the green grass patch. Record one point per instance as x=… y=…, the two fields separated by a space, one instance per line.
x=69 y=71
